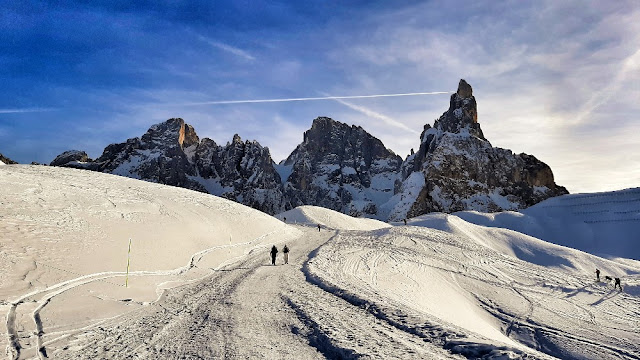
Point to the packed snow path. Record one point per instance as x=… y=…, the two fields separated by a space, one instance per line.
x=361 y=294
x=252 y=309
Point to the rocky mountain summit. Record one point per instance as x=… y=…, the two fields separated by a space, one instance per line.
x=171 y=153
x=340 y=167
x=456 y=168
x=6 y=161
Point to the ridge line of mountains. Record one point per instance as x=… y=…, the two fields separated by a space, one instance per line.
x=340 y=167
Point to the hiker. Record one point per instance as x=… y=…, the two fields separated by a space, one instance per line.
x=617 y=284
x=285 y=251
x=274 y=251
x=405 y=221
x=318 y=227
x=598 y=275
x=285 y=219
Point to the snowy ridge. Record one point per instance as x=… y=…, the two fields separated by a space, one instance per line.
x=492 y=290
x=314 y=215
x=601 y=223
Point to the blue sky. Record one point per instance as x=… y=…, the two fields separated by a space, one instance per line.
x=555 y=79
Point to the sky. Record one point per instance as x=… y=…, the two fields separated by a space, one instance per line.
x=555 y=79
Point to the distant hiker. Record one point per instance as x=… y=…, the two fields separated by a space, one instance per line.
x=318 y=227
x=274 y=252
x=405 y=221
x=598 y=275
x=617 y=284
x=284 y=219
x=285 y=251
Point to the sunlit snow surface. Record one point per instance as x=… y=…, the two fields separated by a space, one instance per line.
x=438 y=287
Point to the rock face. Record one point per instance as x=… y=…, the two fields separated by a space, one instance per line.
x=456 y=169
x=171 y=153
x=6 y=161
x=240 y=171
x=70 y=158
x=340 y=167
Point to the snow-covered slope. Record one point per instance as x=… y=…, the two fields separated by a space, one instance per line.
x=64 y=236
x=1 y=163
x=483 y=291
x=441 y=287
x=314 y=215
x=605 y=223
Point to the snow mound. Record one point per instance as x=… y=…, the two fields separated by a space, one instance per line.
x=483 y=293
x=66 y=235
x=1 y=163
x=521 y=246
x=314 y=215
x=604 y=223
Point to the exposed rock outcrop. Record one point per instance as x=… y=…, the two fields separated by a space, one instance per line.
x=456 y=168
x=341 y=167
x=6 y=161
x=70 y=158
x=171 y=153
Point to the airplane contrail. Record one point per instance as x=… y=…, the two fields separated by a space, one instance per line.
x=29 y=110
x=314 y=98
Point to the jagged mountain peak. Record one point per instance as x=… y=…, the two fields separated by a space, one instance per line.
x=6 y=160
x=342 y=167
x=171 y=132
x=462 y=115
x=464 y=89
x=456 y=168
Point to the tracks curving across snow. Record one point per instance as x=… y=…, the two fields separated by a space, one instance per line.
x=251 y=309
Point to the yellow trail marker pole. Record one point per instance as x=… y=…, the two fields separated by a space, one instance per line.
x=126 y=281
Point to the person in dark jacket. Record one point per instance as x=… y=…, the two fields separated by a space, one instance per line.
x=617 y=283
x=318 y=227
x=285 y=251
x=274 y=252
x=598 y=275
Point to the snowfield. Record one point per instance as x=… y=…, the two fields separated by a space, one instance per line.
x=467 y=285
x=600 y=223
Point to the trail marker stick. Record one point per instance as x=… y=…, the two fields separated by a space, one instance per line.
x=126 y=281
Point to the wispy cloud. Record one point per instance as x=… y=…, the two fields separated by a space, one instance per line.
x=386 y=119
x=228 y=48
x=27 y=110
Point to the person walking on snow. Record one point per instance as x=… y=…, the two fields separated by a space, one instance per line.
x=274 y=252
x=285 y=251
x=617 y=283
x=318 y=227
x=598 y=275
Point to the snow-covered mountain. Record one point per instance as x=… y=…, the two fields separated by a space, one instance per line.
x=5 y=160
x=171 y=153
x=456 y=168
x=340 y=167
x=201 y=284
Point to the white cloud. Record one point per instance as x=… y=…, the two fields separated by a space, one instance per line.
x=228 y=48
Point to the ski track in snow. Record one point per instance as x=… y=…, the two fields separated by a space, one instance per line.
x=329 y=303
x=54 y=290
x=250 y=309
x=550 y=316
x=373 y=291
